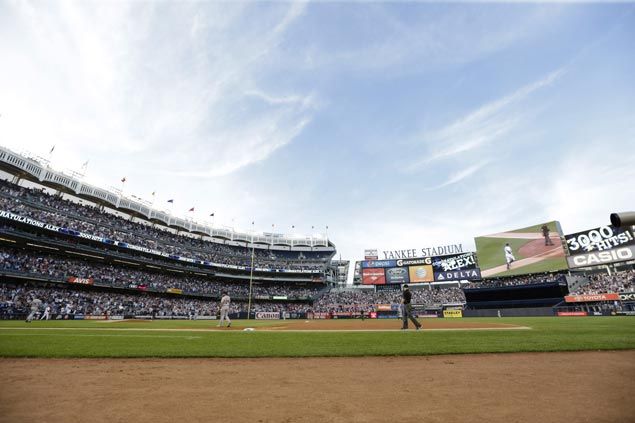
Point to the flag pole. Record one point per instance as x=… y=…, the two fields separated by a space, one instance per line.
x=251 y=276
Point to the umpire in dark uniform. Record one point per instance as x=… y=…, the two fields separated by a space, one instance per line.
x=406 y=309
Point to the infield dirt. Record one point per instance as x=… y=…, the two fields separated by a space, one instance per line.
x=548 y=387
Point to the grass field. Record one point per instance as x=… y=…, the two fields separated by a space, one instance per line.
x=190 y=339
x=490 y=255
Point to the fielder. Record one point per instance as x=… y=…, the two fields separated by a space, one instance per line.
x=406 y=309
x=47 y=313
x=509 y=256
x=35 y=306
x=224 y=310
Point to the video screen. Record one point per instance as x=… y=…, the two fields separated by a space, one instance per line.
x=533 y=249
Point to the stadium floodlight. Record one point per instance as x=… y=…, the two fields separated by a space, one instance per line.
x=623 y=219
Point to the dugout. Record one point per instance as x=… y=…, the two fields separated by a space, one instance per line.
x=522 y=300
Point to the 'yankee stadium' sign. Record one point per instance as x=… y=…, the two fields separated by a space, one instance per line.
x=440 y=250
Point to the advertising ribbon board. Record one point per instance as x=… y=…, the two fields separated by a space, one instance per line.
x=591 y=297
x=81 y=281
x=452 y=313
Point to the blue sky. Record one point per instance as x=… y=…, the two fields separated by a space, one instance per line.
x=398 y=125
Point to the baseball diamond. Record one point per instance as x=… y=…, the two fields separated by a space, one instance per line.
x=313 y=211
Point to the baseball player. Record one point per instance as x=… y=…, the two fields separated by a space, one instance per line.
x=509 y=256
x=35 y=306
x=224 y=310
x=47 y=313
x=406 y=309
x=545 y=233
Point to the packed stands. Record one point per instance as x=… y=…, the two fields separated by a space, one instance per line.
x=532 y=279
x=604 y=283
x=63 y=268
x=66 y=302
x=366 y=300
x=39 y=205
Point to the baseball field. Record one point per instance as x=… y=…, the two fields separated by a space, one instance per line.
x=561 y=369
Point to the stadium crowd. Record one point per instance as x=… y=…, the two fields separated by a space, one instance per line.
x=337 y=300
x=15 y=300
x=517 y=280
x=39 y=205
x=604 y=283
x=62 y=268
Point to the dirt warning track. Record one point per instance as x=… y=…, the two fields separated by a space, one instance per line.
x=549 y=387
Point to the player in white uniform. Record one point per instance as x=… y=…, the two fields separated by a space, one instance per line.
x=224 y=310
x=35 y=306
x=47 y=313
x=509 y=256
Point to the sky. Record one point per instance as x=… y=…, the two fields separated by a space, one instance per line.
x=397 y=125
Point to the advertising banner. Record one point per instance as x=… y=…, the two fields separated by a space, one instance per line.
x=454 y=262
x=591 y=297
x=397 y=275
x=452 y=313
x=627 y=296
x=371 y=254
x=421 y=273
x=598 y=239
x=373 y=277
x=533 y=249
x=384 y=307
x=81 y=281
x=623 y=253
x=572 y=313
x=174 y=290
x=267 y=315
x=378 y=263
x=416 y=261
x=458 y=275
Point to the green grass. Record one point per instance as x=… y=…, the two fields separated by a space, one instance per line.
x=491 y=254
x=94 y=339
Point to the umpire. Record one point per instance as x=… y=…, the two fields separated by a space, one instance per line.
x=407 y=309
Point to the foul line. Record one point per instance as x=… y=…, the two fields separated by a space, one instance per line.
x=263 y=329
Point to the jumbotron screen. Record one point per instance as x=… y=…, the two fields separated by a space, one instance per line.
x=533 y=249
x=453 y=267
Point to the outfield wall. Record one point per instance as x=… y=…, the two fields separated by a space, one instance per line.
x=510 y=312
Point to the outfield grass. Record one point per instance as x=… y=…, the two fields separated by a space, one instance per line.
x=94 y=339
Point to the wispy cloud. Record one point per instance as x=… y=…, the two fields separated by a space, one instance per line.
x=461 y=175
x=180 y=85
x=482 y=126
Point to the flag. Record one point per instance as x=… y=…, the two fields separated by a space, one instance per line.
x=52 y=150
x=171 y=201
x=123 y=180
x=192 y=209
x=85 y=165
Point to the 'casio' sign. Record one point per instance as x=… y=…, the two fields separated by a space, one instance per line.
x=425 y=260
x=618 y=254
